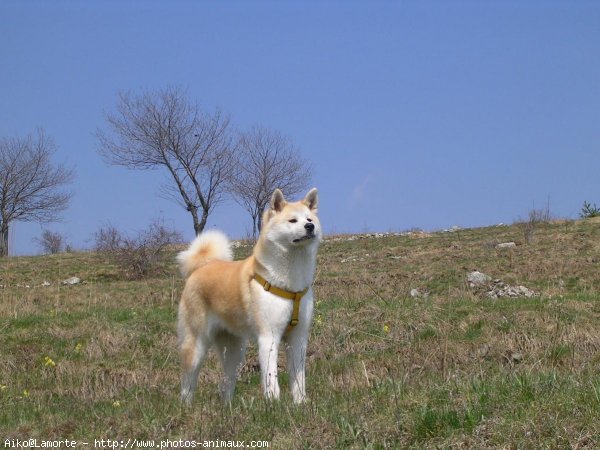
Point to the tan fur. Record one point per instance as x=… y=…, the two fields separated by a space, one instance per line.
x=222 y=303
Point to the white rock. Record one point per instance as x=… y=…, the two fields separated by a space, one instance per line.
x=71 y=281
x=45 y=284
x=416 y=293
x=477 y=278
x=506 y=245
x=526 y=292
x=503 y=290
x=351 y=259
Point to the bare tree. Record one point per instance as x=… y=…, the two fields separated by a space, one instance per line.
x=266 y=160
x=163 y=129
x=30 y=185
x=51 y=242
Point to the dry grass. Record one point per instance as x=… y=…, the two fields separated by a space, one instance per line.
x=453 y=370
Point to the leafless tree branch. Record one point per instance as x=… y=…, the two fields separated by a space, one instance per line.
x=164 y=130
x=30 y=185
x=266 y=160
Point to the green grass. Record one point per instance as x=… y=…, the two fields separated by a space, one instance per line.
x=384 y=370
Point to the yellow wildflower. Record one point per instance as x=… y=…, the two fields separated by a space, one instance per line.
x=48 y=362
x=386 y=329
x=25 y=393
x=116 y=404
x=78 y=347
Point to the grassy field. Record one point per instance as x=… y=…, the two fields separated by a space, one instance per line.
x=385 y=370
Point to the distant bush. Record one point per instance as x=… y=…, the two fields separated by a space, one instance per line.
x=534 y=219
x=588 y=210
x=51 y=242
x=140 y=256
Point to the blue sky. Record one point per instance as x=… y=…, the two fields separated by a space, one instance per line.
x=415 y=114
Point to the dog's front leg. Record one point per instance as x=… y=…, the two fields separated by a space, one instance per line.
x=296 y=363
x=268 y=348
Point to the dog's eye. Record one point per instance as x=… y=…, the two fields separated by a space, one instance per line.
x=293 y=220
x=309 y=219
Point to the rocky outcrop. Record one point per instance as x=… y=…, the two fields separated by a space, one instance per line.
x=497 y=288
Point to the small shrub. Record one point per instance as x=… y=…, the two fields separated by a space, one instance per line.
x=108 y=239
x=140 y=256
x=588 y=211
x=51 y=242
x=534 y=219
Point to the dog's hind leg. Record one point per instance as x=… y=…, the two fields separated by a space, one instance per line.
x=231 y=350
x=193 y=352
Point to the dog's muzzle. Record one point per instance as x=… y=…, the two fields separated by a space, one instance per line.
x=308 y=236
x=310 y=233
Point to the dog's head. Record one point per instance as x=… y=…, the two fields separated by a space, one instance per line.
x=292 y=224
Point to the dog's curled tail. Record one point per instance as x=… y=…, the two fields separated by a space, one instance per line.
x=208 y=246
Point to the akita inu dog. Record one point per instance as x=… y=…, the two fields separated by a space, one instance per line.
x=267 y=297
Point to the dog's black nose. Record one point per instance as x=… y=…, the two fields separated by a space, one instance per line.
x=310 y=227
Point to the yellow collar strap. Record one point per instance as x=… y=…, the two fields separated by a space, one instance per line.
x=295 y=296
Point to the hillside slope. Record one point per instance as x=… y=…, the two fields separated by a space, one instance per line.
x=449 y=368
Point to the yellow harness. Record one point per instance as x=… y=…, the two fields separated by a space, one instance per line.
x=295 y=296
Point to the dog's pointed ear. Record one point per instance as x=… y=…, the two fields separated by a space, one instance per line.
x=277 y=201
x=312 y=199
